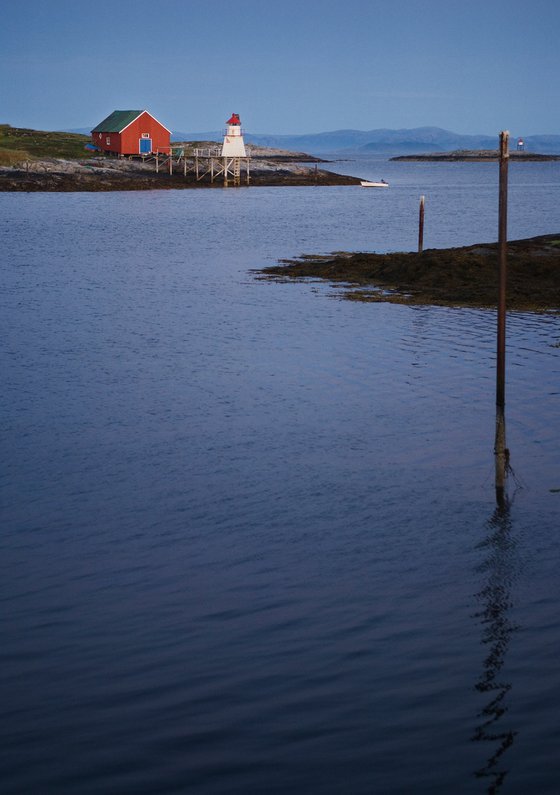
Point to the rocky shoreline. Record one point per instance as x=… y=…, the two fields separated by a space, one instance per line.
x=466 y=276
x=113 y=174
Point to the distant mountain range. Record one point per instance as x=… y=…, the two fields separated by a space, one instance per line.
x=383 y=141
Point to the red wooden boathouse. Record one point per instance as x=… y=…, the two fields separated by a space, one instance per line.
x=131 y=132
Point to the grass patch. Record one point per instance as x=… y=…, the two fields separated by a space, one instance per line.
x=12 y=157
x=40 y=143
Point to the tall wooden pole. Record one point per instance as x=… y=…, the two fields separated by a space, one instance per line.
x=421 y=226
x=502 y=256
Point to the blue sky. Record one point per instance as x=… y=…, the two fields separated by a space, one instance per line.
x=286 y=67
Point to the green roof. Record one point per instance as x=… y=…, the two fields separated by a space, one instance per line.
x=117 y=121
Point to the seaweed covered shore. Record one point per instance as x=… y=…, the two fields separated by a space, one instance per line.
x=466 y=276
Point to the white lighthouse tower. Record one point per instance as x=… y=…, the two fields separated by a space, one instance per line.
x=233 y=145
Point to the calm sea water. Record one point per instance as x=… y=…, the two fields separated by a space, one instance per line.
x=250 y=541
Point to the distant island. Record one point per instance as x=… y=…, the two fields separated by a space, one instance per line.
x=475 y=155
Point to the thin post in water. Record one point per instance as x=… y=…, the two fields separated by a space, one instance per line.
x=421 y=226
x=502 y=280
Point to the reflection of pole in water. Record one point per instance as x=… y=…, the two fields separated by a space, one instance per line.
x=501 y=459
x=497 y=627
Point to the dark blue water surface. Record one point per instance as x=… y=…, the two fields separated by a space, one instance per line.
x=250 y=541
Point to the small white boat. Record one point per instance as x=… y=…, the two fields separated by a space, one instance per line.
x=381 y=184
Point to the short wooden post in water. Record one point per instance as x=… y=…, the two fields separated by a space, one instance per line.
x=157 y=162
x=421 y=226
x=171 y=161
x=502 y=258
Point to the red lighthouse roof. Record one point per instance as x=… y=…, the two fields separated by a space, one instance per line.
x=234 y=119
